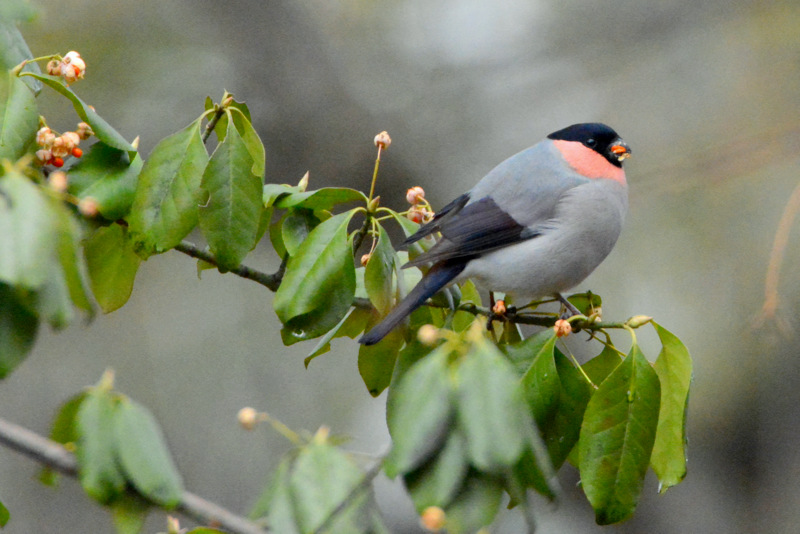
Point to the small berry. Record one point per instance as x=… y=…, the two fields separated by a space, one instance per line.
x=562 y=328
x=415 y=195
x=77 y=152
x=57 y=162
x=383 y=140
x=433 y=519
x=248 y=418
x=89 y=207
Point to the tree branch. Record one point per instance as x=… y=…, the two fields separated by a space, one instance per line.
x=270 y=281
x=58 y=458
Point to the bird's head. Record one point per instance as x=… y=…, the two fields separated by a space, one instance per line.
x=598 y=137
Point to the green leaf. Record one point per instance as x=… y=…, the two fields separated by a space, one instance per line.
x=13 y=48
x=19 y=118
x=617 y=435
x=602 y=365
x=65 y=429
x=419 y=412
x=102 y=129
x=112 y=266
x=491 y=406
x=250 y=139
x=231 y=217
x=352 y=324
x=272 y=192
x=129 y=512
x=18 y=329
x=295 y=227
x=322 y=478
x=540 y=383
x=523 y=354
x=587 y=303
x=561 y=435
x=98 y=471
x=376 y=362
x=476 y=505
x=107 y=175
x=5 y=515
x=674 y=369
x=143 y=455
x=437 y=481
x=164 y=208
x=70 y=260
x=378 y=273
x=319 y=284
x=469 y=294
x=28 y=232
x=320 y=199
x=275 y=502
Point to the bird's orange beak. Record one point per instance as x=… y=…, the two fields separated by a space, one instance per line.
x=621 y=150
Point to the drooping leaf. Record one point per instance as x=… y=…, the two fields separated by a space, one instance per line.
x=28 y=232
x=5 y=515
x=616 y=439
x=476 y=505
x=322 y=478
x=129 y=512
x=275 y=502
x=376 y=362
x=18 y=329
x=13 y=48
x=602 y=365
x=561 y=434
x=107 y=175
x=165 y=207
x=68 y=256
x=112 y=266
x=101 y=128
x=319 y=284
x=250 y=138
x=231 y=217
x=378 y=273
x=419 y=423
x=143 y=455
x=96 y=449
x=541 y=383
x=469 y=294
x=491 y=405
x=674 y=368
x=352 y=324
x=437 y=481
x=295 y=227
x=19 y=118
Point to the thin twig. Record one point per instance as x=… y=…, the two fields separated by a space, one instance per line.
x=58 y=458
x=270 y=281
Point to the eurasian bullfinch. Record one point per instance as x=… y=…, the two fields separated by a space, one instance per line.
x=538 y=224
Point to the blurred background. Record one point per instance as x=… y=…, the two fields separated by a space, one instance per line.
x=706 y=93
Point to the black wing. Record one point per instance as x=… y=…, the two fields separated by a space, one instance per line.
x=440 y=218
x=470 y=231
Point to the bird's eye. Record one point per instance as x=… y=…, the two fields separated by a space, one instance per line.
x=591 y=142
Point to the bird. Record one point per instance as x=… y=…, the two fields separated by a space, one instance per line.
x=536 y=225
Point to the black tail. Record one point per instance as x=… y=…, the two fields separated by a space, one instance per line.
x=438 y=277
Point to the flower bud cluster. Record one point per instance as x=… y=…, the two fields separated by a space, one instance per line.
x=420 y=209
x=71 y=67
x=54 y=148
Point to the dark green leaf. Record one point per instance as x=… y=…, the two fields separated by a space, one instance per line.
x=18 y=328
x=562 y=433
x=376 y=362
x=13 y=48
x=98 y=471
x=674 y=368
x=319 y=284
x=491 y=406
x=70 y=260
x=129 y=512
x=322 y=478
x=320 y=199
x=19 y=118
x=602 y=365
x=619 y=427
x=436 y=482
x=231 y=217
x=419 y=412
x=295 y=227
x=112 y=266
x=107 y=175
x=65 y=429
x=164 y=208
x=476 y=505
x=272 y=192
x=143 y=455
x=378 y=273
x=523 y=354
x=102 y=129
x=28 y=232
x=5 y=515
x=587 y=303
x=469 y=294
x=540 y=383
x=351 y=325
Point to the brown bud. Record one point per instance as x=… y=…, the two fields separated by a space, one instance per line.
x=562 y=328
x=383 y=140
x=248 y=418
x=499 y=307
